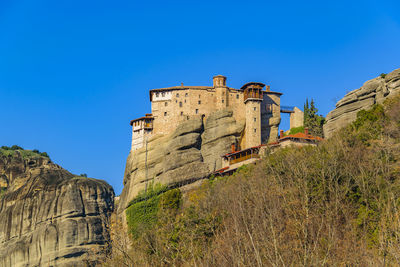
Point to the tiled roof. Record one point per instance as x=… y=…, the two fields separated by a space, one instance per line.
x=236 y=152
x=301 y=136
x=148 y=116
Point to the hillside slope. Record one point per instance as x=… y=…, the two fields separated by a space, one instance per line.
x=332 y=205
x=48 y=216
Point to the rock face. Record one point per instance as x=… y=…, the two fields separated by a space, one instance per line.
x=190 y=153
x=374 y=91
x=48 y=216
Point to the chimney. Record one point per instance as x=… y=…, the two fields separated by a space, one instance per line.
x=281 y=134
x=306 y=131
x=182 y=84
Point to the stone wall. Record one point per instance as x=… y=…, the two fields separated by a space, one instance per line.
x=296 y=118
x=187 y=102
x=372 y=92
x=270 y=117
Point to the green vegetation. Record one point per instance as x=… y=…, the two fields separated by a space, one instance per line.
x=336 y=204
x=142 y=211
x=383 y=75
x=312 y=120
x=2 y=191
x=83 y=175
x=296 y=130
x=26 y=154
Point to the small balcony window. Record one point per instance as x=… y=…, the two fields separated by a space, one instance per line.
x=199 y=102
x=157 y=94
x=197 y=111
x=180 y=104
x=165 y=113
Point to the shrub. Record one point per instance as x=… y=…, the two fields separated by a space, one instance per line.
x=296 y=130
x=44 y=154
x=15 y=147
x=383 y=75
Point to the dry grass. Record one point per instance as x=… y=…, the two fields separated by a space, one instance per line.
x=332 y=205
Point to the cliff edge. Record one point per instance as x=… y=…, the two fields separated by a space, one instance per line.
x=192 y=152
x=374 y=91
x=50 y=217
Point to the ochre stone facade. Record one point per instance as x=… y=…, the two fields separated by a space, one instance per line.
x=253 y=104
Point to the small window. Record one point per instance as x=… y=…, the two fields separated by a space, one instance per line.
x=255 y=119
x=186 y=94
x=185 y=100
x=255 y=130
x=165 y=113
x=199 y=102
x=163 y=93
x=222 y=101
x=269 y=108
x=177 y=95
x=197 y=111
x=180 y=104
x=166 y=103
x=181 y=113
x=237 y=96
x=255 y=108
x=157 y=94
x=199 y=96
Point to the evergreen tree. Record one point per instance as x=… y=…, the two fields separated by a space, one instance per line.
x=312 y=120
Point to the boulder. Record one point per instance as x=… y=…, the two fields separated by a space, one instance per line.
x=374 y=91
x=50 y=217
x=191 y=153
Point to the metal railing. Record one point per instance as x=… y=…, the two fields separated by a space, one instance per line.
x=287 y=109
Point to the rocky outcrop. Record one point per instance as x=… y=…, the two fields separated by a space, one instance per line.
x=48 y=216
x=374 y=91
x=192 y=152
x=221 y=131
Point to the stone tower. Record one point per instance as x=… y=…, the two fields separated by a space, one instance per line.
x=253 y=96
x=221 y=91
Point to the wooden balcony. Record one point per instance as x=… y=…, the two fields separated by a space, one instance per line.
x=239 y=157
x=253 y=94
x=148 y=125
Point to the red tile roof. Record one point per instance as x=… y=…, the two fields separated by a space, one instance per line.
x=301 y=136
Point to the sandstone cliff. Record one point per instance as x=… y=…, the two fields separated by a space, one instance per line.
x=48 y=216
x=372 y=92
x=190 y=153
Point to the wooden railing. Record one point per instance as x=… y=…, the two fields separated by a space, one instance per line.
x=240 y=158
x=257 y=94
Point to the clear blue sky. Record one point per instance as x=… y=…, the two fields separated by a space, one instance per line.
x=74 y=73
